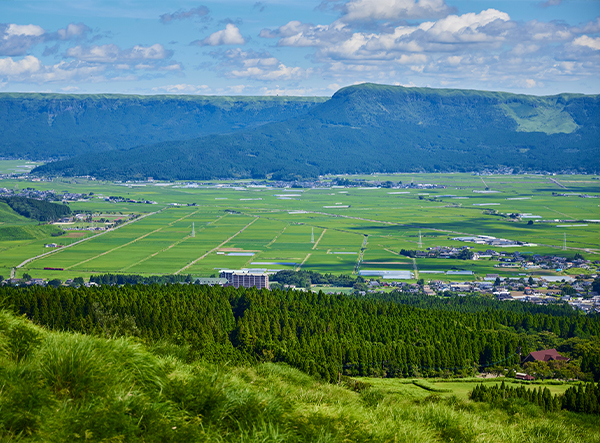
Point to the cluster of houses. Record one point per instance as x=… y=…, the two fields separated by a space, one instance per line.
x=510 y=259
x=492 y=241
x=43 y=282
x=47 y=195
x=118 y=199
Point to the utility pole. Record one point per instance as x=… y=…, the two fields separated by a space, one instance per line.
x=564 y=241
x=193 y=230
x=420 y=241
x=312 y=235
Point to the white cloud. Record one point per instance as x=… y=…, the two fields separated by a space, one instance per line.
x=277 y=90
x=182 y=89
x=32 y=70
x=111 y=53
x=73 y=30
x=100 y=54
x=23 y=30
x=200 y=12
x=26 y=66
x=17 y=39
x=236 y=63
x=366 y=10
x=228 y=36
x=282 y=72
x=589 y=42
x=466 y=27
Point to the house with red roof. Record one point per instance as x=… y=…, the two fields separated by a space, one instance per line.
x=545 y=355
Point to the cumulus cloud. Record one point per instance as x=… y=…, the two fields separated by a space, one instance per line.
x=236 y=63
x=487 y=48
x=452 y=33
x=201 y=12
x=367 y=10
x=31 y=69
x=282 y=72
x=228 y=36
x=589 y=42
x=23 y=30
x=182 y=88
x=26 y=65
x=17 y=39
x=111 y=53
x=73 y=31
x=298 y=34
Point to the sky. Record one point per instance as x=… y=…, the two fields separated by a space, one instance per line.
x=298 y=47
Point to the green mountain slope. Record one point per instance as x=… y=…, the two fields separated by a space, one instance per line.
x=43 y=126
x=369 y=128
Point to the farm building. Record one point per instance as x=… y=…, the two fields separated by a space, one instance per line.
x=545 y=355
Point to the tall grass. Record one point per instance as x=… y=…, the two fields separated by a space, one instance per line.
x=57 y=387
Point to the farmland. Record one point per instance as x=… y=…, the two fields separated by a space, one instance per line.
x=328 y=229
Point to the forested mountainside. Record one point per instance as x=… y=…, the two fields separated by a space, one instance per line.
x=374 y=128
x=52 y=126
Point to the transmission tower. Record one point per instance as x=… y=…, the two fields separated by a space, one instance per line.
x=193 y=230
x=420 y=241
x=312 y=235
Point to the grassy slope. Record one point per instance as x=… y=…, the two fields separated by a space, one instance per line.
x=67 y=387
x=16 y=227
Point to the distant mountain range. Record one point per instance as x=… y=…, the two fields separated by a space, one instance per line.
x=361 y=129
x=54 y=126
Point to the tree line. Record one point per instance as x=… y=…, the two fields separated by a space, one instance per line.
x=318 y=333
x=581 y=398
x=37 y=209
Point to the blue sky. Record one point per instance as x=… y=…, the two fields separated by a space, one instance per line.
x=230 y=47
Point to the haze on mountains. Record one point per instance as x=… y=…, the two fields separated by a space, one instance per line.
x=361 y=129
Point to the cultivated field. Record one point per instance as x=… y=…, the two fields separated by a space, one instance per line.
x=337 y=230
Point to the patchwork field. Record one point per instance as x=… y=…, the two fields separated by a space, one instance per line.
x=334 y=229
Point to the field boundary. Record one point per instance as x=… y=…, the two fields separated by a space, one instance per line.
x=132 y=241
x=320 y=237
x=56 y=251
x=214 y=249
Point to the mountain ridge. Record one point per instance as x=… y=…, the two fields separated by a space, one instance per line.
x=377 y=128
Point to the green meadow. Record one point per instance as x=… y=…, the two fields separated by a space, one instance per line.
x=337 y=230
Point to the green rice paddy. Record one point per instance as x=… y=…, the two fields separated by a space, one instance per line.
x=325 y=230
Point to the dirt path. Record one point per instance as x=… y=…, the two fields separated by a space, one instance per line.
x=56 y=251
x=415 y=268
x=214 y=249
x=303 y=261
x=319 y=239
x=557 y=183
x=133 y=241
x=561 y=213
x=276 y=237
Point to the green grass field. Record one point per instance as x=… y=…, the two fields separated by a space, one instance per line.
x=277 y=225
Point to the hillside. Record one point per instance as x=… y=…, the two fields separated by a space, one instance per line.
x=62 y=386
x=36 y=209
x=43 y=126
x=374 y=128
